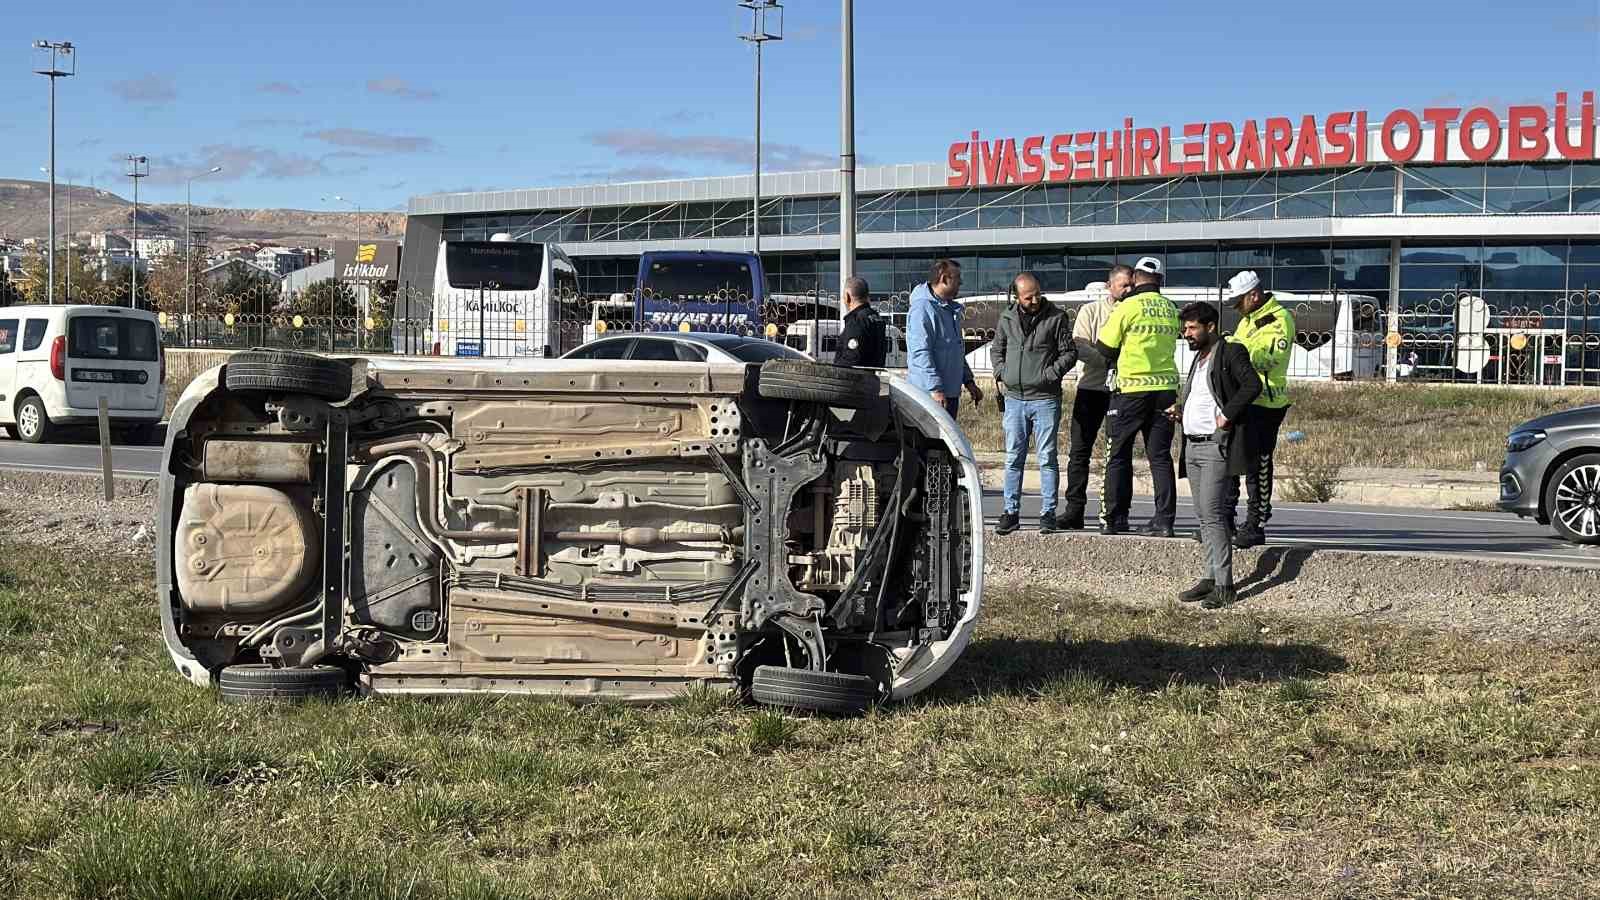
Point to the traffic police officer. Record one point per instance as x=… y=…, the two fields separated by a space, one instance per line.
x=1140 y=341
x=863 y=342
x=1265 y=329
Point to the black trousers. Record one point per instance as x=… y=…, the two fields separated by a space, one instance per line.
x=1088 y=413
x=1261 y=426
x=1132 y=416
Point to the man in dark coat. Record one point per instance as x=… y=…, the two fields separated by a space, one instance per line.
x=1220 y=388
x=864 y=340
x=1032 y=351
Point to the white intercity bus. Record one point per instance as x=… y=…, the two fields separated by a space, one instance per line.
x=503 y=298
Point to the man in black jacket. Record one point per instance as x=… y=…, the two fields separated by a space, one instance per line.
x=863 y=341
x=1220 y=388
x=1032 y=351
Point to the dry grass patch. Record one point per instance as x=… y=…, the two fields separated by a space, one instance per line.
x=1080 y=748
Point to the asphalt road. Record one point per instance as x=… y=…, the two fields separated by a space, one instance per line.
x=1495 y=537
x=1474 y=535
x=77 y=457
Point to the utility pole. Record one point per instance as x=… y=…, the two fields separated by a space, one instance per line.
x=762 y=15
x=138 y=167
x=361 y=302
x=188 y=249
x=847 y=149
x=58 y=59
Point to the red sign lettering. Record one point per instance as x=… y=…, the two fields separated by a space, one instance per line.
x=1278 y=143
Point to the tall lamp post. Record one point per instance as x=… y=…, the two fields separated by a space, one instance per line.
x=69 y=234
x=766 y=24
x=138 y=167
x=188 y=250
x=57 y=59
x=847 y=149
x=357 y=206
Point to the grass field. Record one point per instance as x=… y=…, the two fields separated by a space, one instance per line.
x=1402 y=426
x=1081 y=748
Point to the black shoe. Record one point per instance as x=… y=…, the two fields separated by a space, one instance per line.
x=1249 y=536
x=1072 y=521
x=1219 y=598
x=1200 y=591
x=1007 y=524
x=1114 y=528
x=1047 y=524
x=1157 y=531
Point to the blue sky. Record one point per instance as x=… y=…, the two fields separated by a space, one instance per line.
x=380 y=101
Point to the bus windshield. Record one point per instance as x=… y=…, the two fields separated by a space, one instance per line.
x=697 y=278
x=500 y=265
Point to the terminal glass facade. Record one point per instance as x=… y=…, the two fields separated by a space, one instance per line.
x=1502 y=189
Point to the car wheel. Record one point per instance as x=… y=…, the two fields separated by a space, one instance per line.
x=789 y=379
x=256 y=682
x=33 y=423
x=825 y=692
x=1572 y=499
x=287 y=372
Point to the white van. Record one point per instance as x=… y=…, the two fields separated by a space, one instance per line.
x=56 y=362
x=803 y=336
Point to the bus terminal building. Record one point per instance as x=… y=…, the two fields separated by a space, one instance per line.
x=1473 y=230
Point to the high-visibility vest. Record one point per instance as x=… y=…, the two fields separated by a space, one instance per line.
x=1268 y=333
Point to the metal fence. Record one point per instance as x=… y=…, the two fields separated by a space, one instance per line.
x=1454 y=336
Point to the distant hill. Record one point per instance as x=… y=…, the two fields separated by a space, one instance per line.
x=25 y=213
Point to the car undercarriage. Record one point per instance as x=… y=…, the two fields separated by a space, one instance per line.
x=807 y=536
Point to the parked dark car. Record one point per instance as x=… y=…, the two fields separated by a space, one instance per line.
x=1552 y=473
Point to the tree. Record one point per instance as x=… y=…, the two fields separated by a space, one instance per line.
x=246 y=290
x=165 y=285
x=320 y=297
x=87 y=285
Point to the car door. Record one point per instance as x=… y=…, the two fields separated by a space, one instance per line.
x=654 y=350
x=613 y=349
x=10 y=340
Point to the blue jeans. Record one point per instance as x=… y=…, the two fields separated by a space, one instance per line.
x=1041 y=419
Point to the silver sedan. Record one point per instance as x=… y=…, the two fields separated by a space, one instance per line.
x=1552 y=473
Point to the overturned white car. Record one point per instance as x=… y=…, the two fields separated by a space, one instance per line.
x=809 y=536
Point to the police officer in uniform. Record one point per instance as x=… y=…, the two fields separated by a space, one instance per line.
x=864 y=341
x=1266 y=330
x=1140 y=341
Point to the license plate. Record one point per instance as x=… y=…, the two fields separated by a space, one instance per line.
x=93 y=375
x=468 y=348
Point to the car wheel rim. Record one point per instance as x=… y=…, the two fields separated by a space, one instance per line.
x=28 y=420
x=1578 y=501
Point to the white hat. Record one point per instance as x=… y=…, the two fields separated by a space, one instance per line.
x=1243 y=283
x=1150 y=264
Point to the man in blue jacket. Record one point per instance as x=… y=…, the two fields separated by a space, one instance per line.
x=938 y=358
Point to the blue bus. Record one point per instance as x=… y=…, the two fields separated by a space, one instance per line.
x=706 y=289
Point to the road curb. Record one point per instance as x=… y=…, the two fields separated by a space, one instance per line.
x=1362 y=487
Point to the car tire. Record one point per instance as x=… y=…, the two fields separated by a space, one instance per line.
x=1572 y=499
x=837 y=693
x=288 y=372
x=33 y=423
x=257 y=682
x=790 y=379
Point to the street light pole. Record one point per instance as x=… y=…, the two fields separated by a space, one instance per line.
x=360 y=294
x=847 y=150
x=761 y=13
x=138 y=167
x=53 y=55
x=188 y=249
